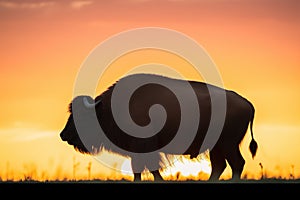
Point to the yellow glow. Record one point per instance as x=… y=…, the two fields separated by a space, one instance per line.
x=181 y=167
x=176 y=168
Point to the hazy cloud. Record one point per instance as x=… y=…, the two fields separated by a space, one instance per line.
x=80 y=4
x=27 y=135
x=25 y=5
x=33 y=136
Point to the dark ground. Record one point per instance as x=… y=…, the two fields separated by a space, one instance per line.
x=149 y=189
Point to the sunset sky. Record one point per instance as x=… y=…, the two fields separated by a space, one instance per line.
x=254 y=43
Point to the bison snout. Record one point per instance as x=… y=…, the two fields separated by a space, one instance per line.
x=63 y=136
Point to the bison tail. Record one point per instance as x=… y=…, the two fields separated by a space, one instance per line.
x=253 y=147
x=253 y=144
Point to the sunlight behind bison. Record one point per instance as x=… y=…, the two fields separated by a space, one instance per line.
x=177 y=168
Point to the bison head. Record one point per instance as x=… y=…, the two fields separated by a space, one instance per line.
x=86 y=140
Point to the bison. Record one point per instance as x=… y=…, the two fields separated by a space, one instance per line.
x=96 y=123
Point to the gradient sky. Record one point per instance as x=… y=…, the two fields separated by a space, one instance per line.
x=254 y=43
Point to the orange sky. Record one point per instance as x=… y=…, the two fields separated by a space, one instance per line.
x=254 y=43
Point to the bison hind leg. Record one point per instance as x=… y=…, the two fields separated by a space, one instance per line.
x=218 y=163
x=236 y=162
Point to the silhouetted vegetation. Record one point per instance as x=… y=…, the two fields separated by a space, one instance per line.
x=32 y=174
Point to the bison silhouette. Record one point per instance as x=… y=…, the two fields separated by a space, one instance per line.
x=92 y=124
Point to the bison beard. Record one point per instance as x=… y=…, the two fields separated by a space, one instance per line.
x=239 y=114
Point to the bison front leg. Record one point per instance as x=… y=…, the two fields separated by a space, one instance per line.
x=140 y=163
x=157 y=176
x=152 y=163
x=137 y=165
x=137 y=177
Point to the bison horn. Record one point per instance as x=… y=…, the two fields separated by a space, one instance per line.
x=88 y=104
